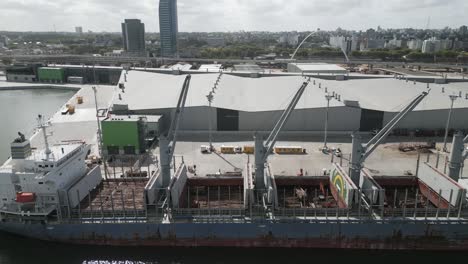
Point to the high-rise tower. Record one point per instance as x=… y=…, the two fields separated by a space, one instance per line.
x=133 y=33
x=168 y=27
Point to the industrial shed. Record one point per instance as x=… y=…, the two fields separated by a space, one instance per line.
x=318 y=68
x=254 y=104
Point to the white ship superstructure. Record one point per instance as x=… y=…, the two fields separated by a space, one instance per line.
x=34 y=181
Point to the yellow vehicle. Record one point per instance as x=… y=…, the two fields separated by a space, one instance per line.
x=290 y=150
x=249 y=149
x=228 y=150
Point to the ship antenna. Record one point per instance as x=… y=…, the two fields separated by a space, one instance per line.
x=43 y=125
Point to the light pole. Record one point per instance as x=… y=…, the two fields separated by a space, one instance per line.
x=210 y=100
x=452 y=99
x=328 y=97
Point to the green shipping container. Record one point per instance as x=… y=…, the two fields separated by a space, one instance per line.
x=54 y=75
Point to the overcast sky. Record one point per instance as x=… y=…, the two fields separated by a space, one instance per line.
x=233 y=15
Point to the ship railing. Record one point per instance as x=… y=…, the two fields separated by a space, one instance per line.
x=207 y=214
x=322 y=213
x=105 y=216
x=425 y=204
x=426 y=214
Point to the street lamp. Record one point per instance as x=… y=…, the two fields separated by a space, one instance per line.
x=328 y=97
x=452 y=99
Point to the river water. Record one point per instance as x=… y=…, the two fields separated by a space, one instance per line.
x=18 y=110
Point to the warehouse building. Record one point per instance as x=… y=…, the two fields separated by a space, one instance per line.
x=254 y=104
x=316 y=68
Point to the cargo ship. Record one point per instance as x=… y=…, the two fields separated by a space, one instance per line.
x=59 y=197
x=62 y=193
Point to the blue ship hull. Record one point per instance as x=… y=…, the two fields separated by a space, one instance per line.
x=370 y=235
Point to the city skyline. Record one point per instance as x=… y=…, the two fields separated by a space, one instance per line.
x=239 y=15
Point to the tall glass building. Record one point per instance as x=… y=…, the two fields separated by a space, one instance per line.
x=168 y=27
x=133 y=34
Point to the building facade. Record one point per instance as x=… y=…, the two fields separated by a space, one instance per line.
x=415 y=44
x=291 y=39
x=79 y=30
x=168 y=27
x=434 y=45
x=347 y=44
x=133 y=34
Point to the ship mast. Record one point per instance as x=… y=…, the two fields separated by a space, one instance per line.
x=43 y=125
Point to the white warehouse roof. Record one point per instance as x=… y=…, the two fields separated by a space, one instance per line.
x=145 y=90
x=391 y=95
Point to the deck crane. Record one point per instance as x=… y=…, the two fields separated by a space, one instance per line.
x=263 y=149
x=360 y=152
x=458 y=154
x=167 y=143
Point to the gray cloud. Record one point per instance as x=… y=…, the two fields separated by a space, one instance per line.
x=232 y=15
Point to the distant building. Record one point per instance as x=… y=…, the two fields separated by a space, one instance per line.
x=434 y=45
x=289 y=38
x=430 y=46
x=463 y=31
x=316 y=68
x=253 y=68
x=457 y=44
x=168 y=27
x=79 y=30
x=210 y=67
x=181 y=67
x=133 y=33
x=347 y=44
x=368 y=44
x=395 y=43
x=4 y=40
x=415 y=44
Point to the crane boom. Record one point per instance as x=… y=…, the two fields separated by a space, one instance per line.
x=360 y=152
x=380 y=137
x=172 y=136
x=167 y=143
x=273 y=137
x=263 y=149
